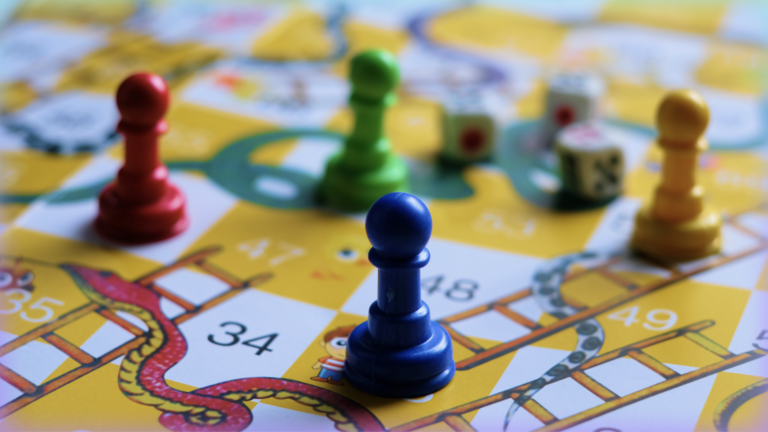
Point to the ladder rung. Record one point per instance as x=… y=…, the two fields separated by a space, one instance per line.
x=17 y=380
x=463 y=340
x=458 y=423
x=117 y=319
x=516 y=317
x=539 y=412
x=653 y=364
x=173 y=297
x=68 y=348
x=709 y=345
x=595 y=387
x=219 y=274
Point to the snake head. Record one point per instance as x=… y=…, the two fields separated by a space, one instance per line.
x=106 y=288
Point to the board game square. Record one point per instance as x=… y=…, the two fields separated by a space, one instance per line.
x=615 y=227
x=752 y=333
x=742 y=273
x=170 y=309
x=491 y=325
x=270 y=418
x=566 y=397
x=74 y=215
x=678 y=409
x=195 y=287
x=624 y=376
x=107 y=338
x=34 y=361
x=8 y=392
x=250 y=335
x=491 y=418
x=756 y=222
x=458 y=277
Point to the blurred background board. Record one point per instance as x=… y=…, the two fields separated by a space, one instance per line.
x=263 y=275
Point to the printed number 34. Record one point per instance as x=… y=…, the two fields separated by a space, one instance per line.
x=235 y=338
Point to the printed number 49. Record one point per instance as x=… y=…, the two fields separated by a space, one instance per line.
x=657 y=319
x=38 y=305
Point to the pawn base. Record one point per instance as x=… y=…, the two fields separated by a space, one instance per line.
x=356 y=191
x=399 y=372
x=133 y=224
x=685 y=241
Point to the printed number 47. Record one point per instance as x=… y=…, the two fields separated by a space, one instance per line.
x=657 y=319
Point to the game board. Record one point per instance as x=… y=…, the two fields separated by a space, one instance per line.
x=224 y=326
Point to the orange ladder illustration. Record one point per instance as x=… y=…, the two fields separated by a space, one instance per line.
x=611 y=401
x=538 y=332
x=88 y=363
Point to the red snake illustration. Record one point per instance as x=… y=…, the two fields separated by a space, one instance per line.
x=218 y=407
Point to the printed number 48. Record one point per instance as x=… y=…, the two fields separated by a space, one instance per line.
x=657 y=319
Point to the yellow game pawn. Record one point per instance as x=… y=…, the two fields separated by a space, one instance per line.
x=678 y=225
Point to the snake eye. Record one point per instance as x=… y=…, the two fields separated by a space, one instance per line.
x=347 y=254
x=26 y=278
x=5 y=279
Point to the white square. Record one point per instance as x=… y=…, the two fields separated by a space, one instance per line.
x=170 y=309
x=756 y=222
x=676 y=410
x=491 y=325
x=8 y=392
x=108 y=337
x=270 y=418
x=615 y=228
x=195 y=287
x=624 y=376
x=751 y=334
x=742 y=273
x=460 y=276
x=34 y=361
x=310 y=154
x=566 y=397
x=252 y=314
x=527 y=307
x=206 y=204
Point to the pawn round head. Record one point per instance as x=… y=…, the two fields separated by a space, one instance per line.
x=374 y=74
x=398 y=225
x=682 y=117
x=142 y=99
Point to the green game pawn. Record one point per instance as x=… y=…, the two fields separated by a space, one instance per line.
x=366 y=168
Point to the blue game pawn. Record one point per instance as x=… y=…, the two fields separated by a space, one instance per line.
x=399 y=351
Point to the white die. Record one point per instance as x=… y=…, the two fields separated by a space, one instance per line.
x=469 y=130
x=571 y=98
x=591 y=161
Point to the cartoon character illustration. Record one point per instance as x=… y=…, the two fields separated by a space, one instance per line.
x=16 y=277
x=340 y=252
x=332 y=366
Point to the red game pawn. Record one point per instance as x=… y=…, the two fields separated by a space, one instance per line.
x=141 y=206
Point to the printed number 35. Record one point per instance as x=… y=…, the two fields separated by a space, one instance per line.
x=25 y=297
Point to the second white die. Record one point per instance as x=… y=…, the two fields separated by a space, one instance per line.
x=591 y=161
